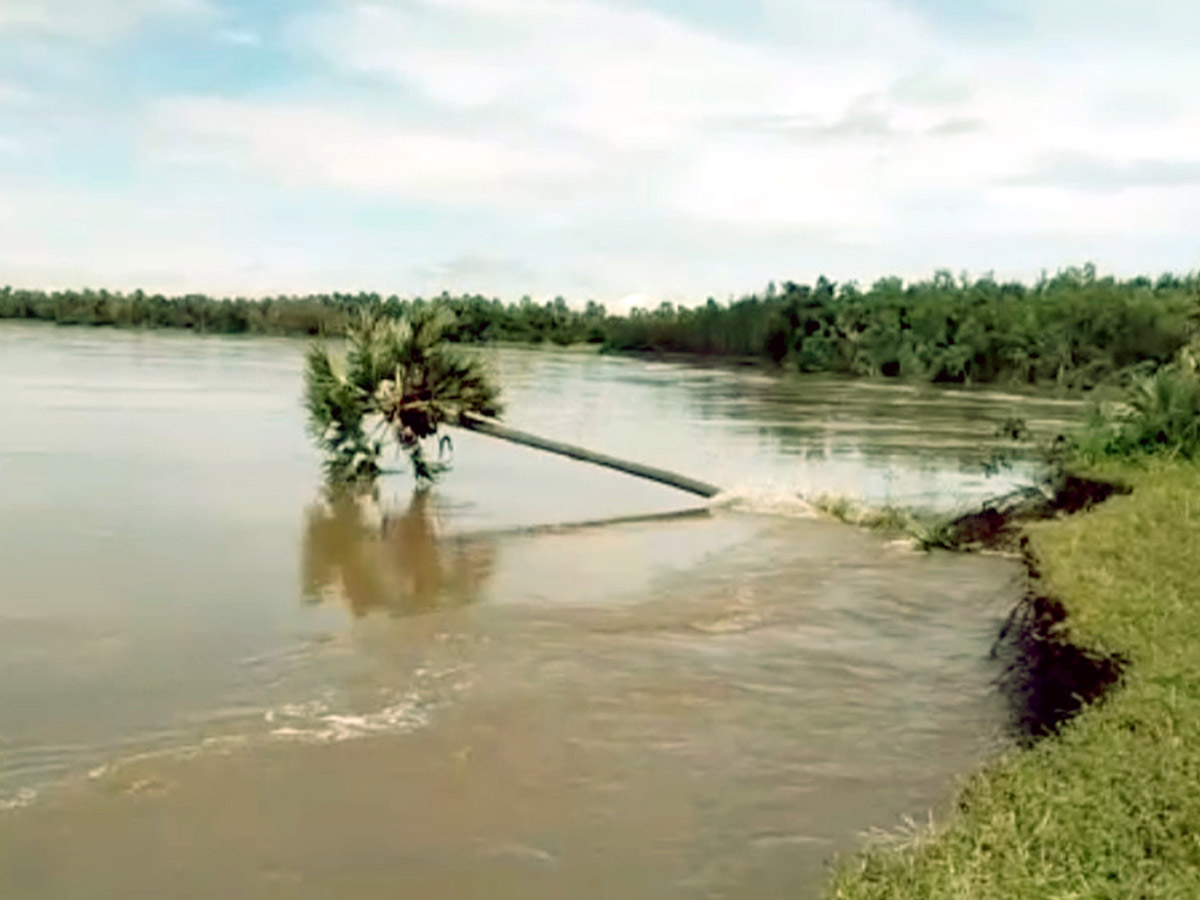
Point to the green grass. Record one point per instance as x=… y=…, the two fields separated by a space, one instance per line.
x=1109 y=807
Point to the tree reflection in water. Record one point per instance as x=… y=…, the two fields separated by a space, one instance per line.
x=396 y=564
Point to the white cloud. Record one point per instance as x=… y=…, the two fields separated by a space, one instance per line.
x=14 y=95
x=836 y=29
x=837 y=124
x=91 y=21
x=305 y=144
x=476 y=273
x=763 y=182
x=109 y=239
x=621 y=149
x=625 y=77
x=1057 y=210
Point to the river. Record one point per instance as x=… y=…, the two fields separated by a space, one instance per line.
x=214 y=684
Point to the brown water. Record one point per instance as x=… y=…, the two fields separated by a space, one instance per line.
x=212 y=684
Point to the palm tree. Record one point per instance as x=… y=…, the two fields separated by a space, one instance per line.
x=400 y=378
x=1160 y=413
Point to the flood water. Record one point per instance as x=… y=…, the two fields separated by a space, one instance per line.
x=214 y=684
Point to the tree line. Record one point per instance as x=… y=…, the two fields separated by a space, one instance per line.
x=1075 y=329
x=477 y=318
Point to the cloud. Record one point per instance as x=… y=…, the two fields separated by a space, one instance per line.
x=14 y=95
x=836 y=29
x=598 y=146
x=863 y=120
x=477 y=273
x=312 y=145
x=1169 y=23
x=1096 y=174
x=240 y=37
x=680 y=123
x=127 y=240
x=627 y=77
x=958 y=125
x=925 y=87
x=91 y=21
x=763 y=183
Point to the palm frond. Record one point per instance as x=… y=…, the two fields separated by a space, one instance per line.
x=403 y=373
x=1160 y=413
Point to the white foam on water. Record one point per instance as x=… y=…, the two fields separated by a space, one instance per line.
x=22 y=798
x=331 y=719
x=767 y=501
x=315 y=722
x=216 y=743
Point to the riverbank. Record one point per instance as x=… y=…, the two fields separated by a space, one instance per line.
x=1110 y=805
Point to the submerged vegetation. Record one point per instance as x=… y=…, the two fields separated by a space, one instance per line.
x=400 y=379
x=1076 y=329
x=925 y=531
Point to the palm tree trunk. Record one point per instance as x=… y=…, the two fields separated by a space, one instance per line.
x=492 y=428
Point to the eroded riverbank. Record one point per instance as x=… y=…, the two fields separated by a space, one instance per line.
x=1108 y=806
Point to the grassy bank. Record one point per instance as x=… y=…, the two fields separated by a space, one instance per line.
x=1109 y=807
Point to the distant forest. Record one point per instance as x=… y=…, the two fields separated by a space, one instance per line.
x=1075 y=329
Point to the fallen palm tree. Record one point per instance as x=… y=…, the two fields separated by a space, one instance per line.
x=495 y=429
x=402 y=380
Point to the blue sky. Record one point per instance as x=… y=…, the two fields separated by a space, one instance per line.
x=614 y=150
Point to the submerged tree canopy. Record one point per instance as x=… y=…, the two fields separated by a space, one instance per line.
x=400 y=380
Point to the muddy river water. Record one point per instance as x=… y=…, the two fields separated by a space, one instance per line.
x=215 y=684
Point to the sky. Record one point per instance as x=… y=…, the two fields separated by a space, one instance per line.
x=618 y=150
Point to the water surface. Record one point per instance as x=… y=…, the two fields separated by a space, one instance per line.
x=214 y=683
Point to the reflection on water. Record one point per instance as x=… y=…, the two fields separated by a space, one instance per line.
x=394 y=563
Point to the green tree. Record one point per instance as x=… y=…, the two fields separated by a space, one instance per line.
x=401 y=379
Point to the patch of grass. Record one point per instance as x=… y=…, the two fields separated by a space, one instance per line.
x=1110 y=806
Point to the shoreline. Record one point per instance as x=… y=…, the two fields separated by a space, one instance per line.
x=1101 y=798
